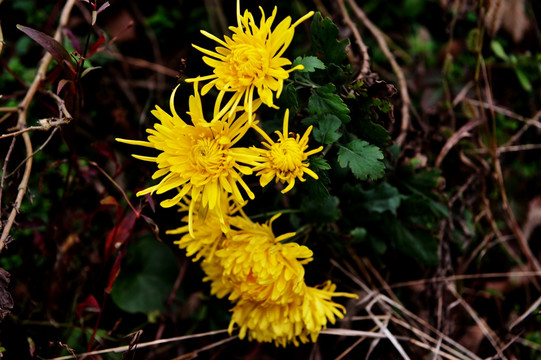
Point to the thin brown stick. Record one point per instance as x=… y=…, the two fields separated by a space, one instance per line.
x=365 y=67
x=4 y=169
x=143 y=345
x=193 y=354
x=453 y=140
x=483 y=326
x=145 y=64
x=383 y=327
x=522 y=242
x=350 y=332
x=1 y=36
x=428 y=326
x=23 y=109
x=35 y=151
x=135 y=211
x=513 y=148
x=402 y=84
x=47 y=125
x=467 y=277
x=529 y=311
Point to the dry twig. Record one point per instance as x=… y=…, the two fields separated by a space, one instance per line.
x=365 y=67
x=22 y=111
x=120 y=349
x=402 y=84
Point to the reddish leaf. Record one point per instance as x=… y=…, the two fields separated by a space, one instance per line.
x=90 y=304
x=96 y=46
x=119 y=234
x=86 y=71
x=62 y=83
x=109 y=200
x=104 y=6
x=74 y=41
x=115 y=270
x=59 y=53
x=105 y=149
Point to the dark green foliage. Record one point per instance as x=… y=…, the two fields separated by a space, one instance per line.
x=146 y=278
x=324 y=41
x=325 y=100
x=363 y=159
x=327 y=130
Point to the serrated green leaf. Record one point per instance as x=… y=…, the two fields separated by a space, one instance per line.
x=326 y=131
x=146 y=277
x=319 y=164
x=310 y=63
x=324 y=100
x=383 y=197
x=324 y=40
x=363 y=159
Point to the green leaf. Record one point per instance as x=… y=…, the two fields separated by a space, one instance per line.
x=419 y=245
x=498 y=50
x=318 y=212
x=317 y=188
x=310 y=63
x=359 y=233
x=383 y=197
x=324 y=40
x=373 y=133
x=288 y=99
x=324 y=100
x=318 y=164
x=146 y=277
x=523 y=79
x=472 y=40
x=363 y=159
x=326 y=131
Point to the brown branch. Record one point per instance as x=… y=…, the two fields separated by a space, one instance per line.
x=9 y=109
x=22 y=109
x=464 y=131
x=145 y=64
x=511 y=220
x=489 y=334
x=4 y=170
x=365 y=67
x=402 y=84
x=47 y=124
x=147 y=344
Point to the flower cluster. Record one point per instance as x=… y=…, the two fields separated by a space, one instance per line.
x=202 y=166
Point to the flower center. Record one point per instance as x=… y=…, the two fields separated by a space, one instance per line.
x=209 y=157
x=249 y=63
x=286 y=155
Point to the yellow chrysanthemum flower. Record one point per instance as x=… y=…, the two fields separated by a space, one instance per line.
x=285 y=160
x=198 y=159
x=209 y=227
x=301 y=319
x=259 y=266
x=248 y=60
x=249 y=262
